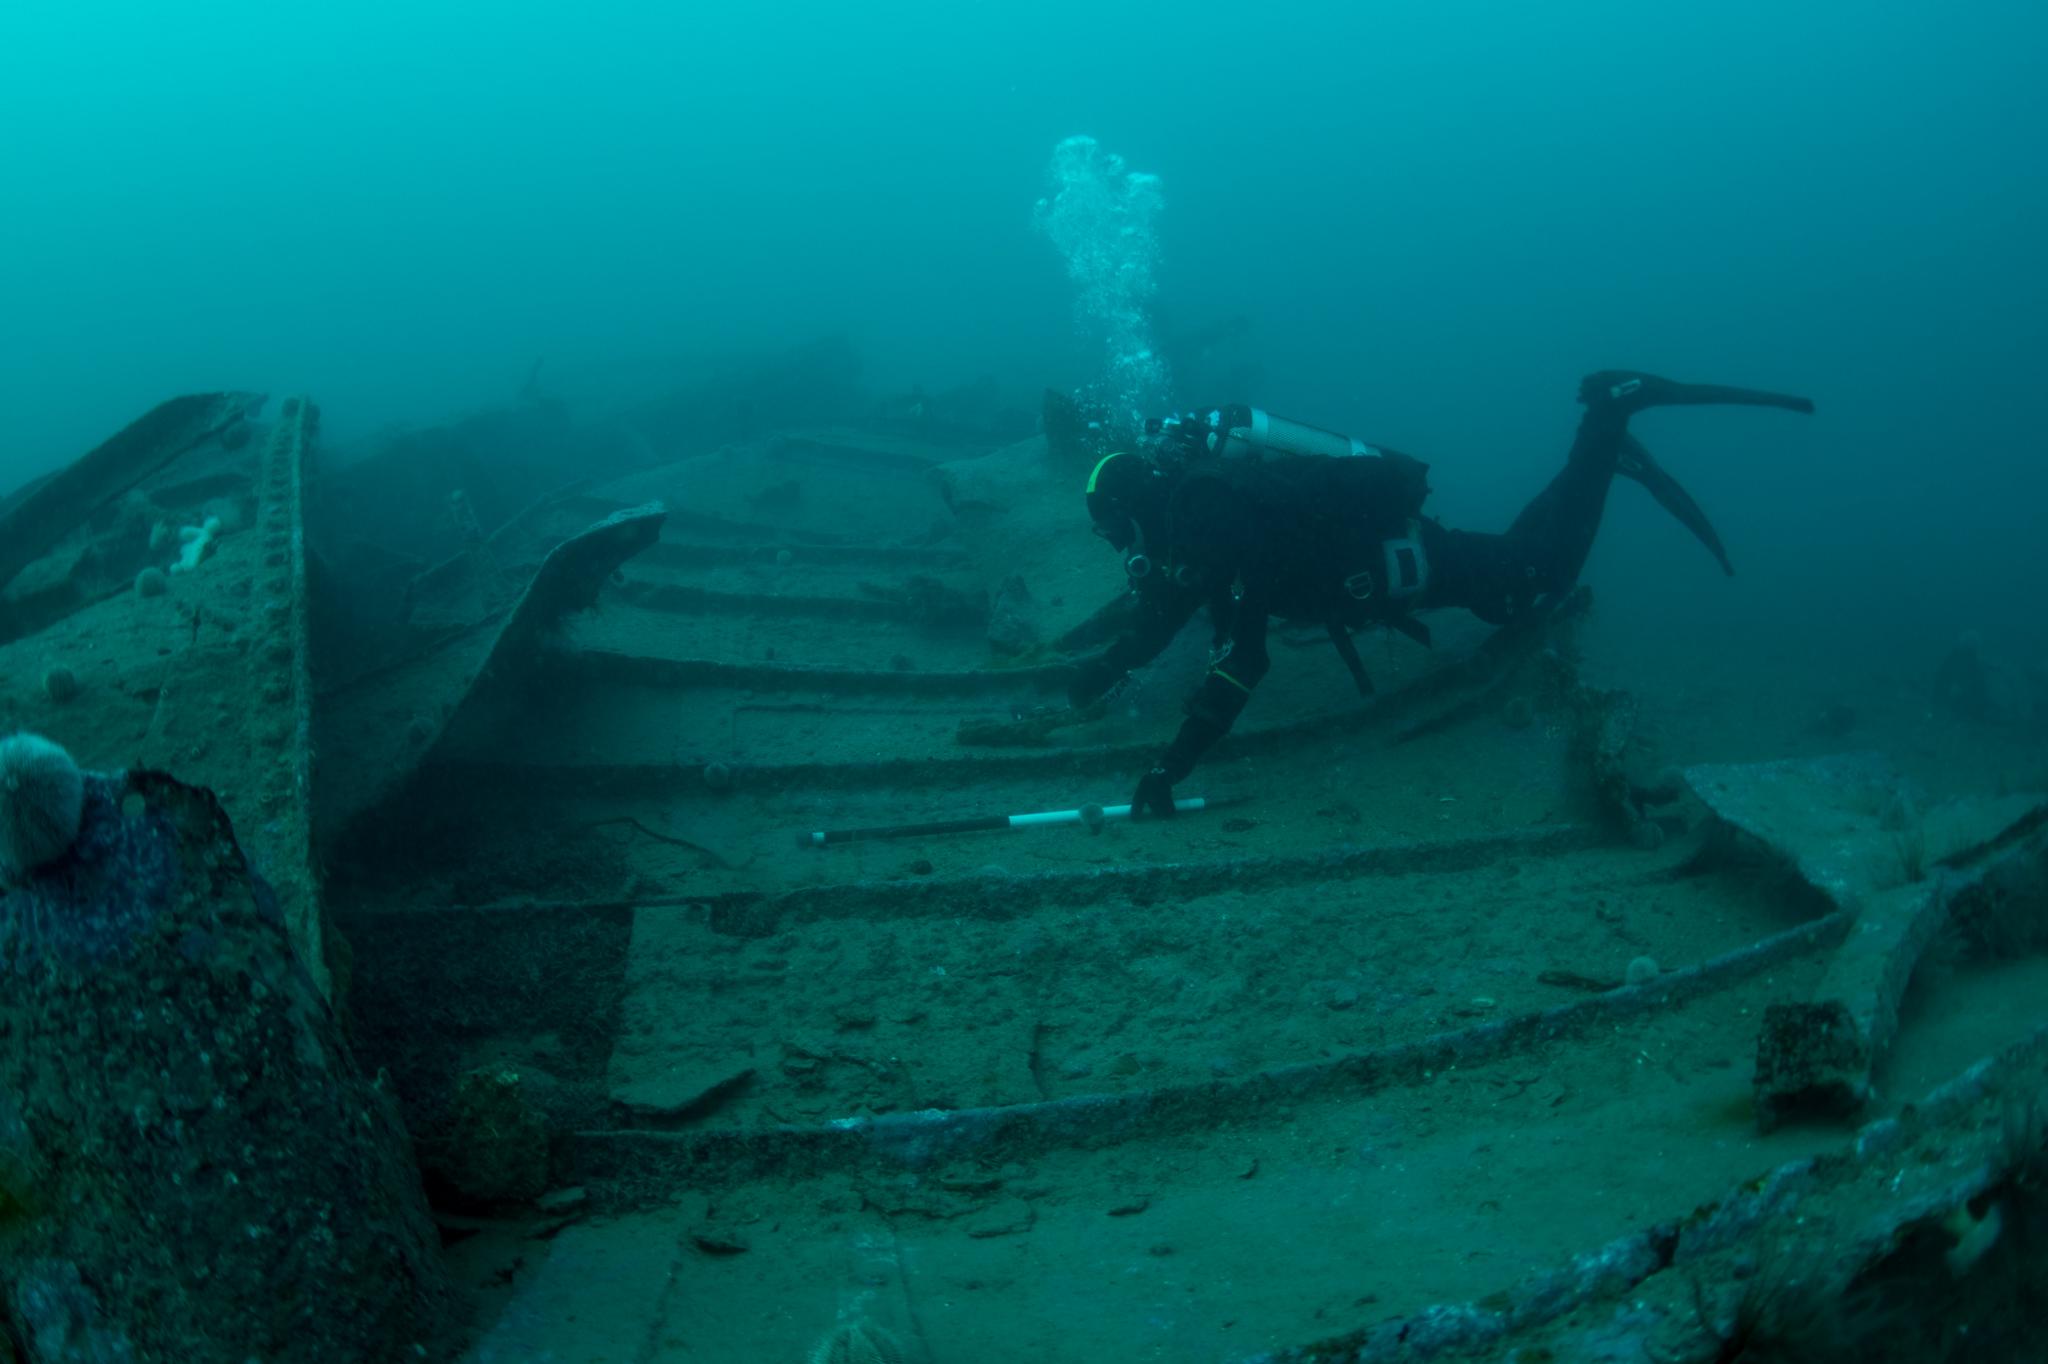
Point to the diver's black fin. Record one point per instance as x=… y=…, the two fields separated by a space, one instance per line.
x=1413 y=628
x=1632 y=391
x=1636 y=463
x=1347 y=650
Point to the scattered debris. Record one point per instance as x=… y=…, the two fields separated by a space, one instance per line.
x=931 y=604
x=1013 y=618
x=627 y=821
x=718 y=1243
x=1029 y=729
x=670 y=1100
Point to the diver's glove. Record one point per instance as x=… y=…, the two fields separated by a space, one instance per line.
x=1154 y=795
x=1093 y=679
x=1155 y=789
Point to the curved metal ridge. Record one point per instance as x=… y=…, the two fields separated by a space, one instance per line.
x=687 y=599
x=606 y=665
x=698 y=554
x=907 y=773
x=754 y=913
x=918 y=1139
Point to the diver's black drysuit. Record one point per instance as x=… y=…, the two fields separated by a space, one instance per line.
x=1340 y=540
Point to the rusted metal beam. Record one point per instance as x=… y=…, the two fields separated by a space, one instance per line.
x=1852 y=830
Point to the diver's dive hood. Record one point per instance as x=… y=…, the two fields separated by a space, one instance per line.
x=1124 y=491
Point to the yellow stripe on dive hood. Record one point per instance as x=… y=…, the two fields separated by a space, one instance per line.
x=1096 y=472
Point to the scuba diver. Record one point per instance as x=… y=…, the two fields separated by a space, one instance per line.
x=1255 y=517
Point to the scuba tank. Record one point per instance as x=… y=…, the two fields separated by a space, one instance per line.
x=1367 y=502
x=1241 y=432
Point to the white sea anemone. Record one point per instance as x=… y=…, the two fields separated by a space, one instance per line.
x=197 y=544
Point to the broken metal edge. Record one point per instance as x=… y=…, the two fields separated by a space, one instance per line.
x=626 y=1156
x=567 y=580
x=571 y=573
x=1630 y=1260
